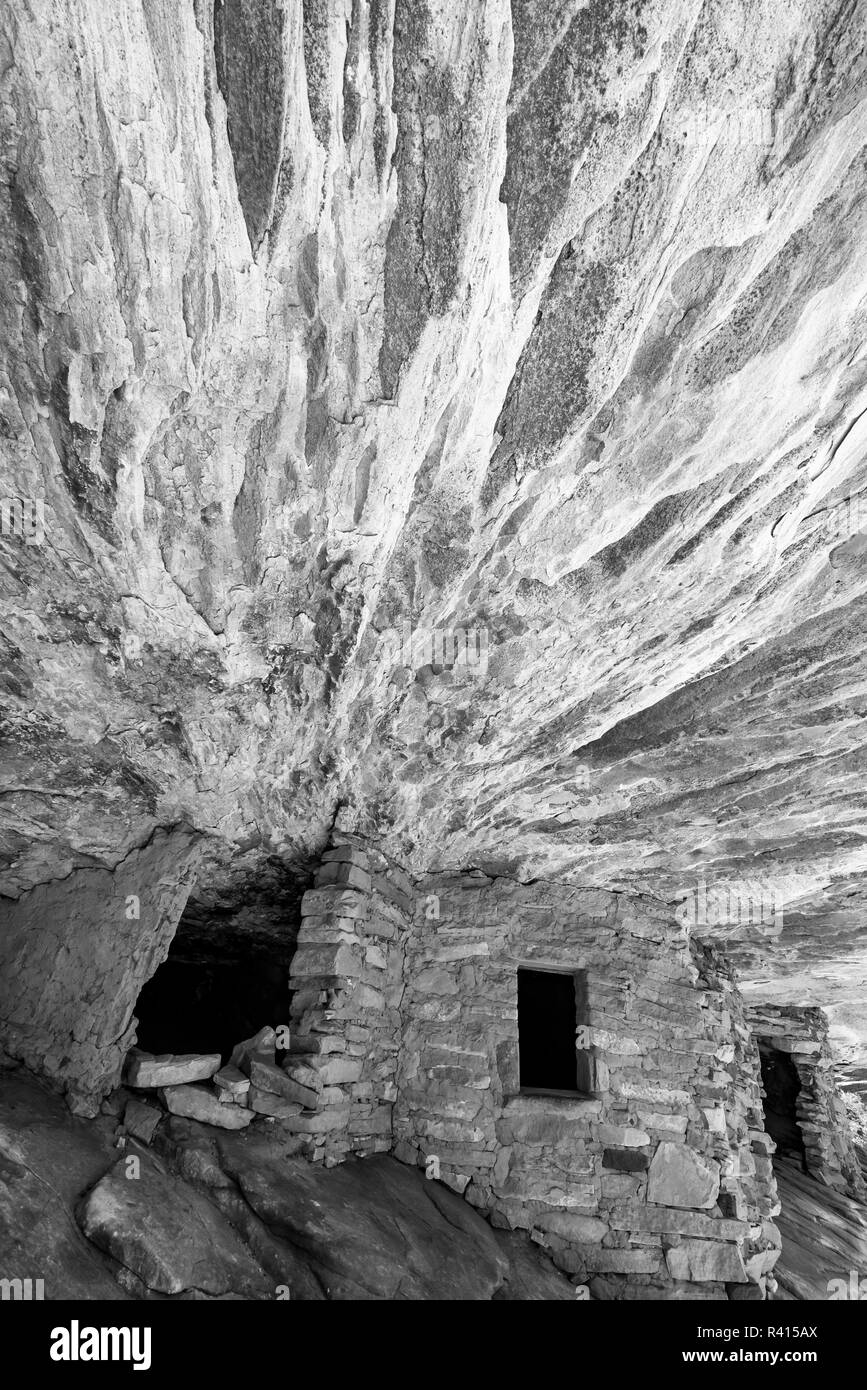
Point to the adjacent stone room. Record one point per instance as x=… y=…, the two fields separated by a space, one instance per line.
x=433 y=696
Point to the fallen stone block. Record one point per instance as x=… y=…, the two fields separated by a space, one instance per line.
x=145 y=1071
x=302 y=1074
x=266 y=1103
x=261 y=1044
x=141 y=1120
x=267 y=1076
x=233 y=1081
x=196 y=1103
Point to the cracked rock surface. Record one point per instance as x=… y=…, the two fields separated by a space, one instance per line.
x=223 y=1217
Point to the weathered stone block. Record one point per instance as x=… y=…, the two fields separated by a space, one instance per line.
x=141 y=1120
x=346 y=854
x=266 y=1076
x=145 y=1071
x=679 y=1177
x=345 y=874
x=573 y=1226
x=316 y=1044
x=342 y=902
x=320 y=1123
x=196 y=1103
x=702 y=1261
x=267 y=1103
x=327 y=959
x=667 y=1221
x=379 y=1122
x=715 y=1119
x=302 y=1074
x=233 y=1081
x=336 y=1070
x=622 y=1135
x=621 y=1261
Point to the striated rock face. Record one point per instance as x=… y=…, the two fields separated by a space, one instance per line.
x=540 y=322
x=74 y=955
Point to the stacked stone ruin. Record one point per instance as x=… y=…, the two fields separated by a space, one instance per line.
x=802 y=1034
x=659 y=1183
x=653 y=1180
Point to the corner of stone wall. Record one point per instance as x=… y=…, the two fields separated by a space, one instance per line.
x=748 y=1187
x=347 y=983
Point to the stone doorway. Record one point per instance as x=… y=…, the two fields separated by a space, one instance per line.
x=211 y=991
x=782 y=1086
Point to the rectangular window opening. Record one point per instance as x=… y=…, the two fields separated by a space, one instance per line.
x=550 y=1008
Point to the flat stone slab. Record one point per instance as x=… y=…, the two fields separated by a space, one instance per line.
x=266 y=1103
x=146 y=1071
x=195 y=1103
x=233 y=1081
x=703 y=1261
x=266 y=1076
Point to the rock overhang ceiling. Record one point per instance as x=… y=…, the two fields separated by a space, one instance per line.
x=545 y=322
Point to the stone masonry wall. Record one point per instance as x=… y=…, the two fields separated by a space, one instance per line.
x=347 y=983
x=659 y=1182
x=74 y=954
x=802 y=1033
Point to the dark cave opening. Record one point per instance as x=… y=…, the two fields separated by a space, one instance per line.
x=209 y=1006
x=223 y=979
x=782 y=1086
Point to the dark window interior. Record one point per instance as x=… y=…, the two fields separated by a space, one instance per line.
x=547 y=1021
x=781 y=1084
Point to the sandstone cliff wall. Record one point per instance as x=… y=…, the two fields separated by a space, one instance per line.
x=74 y=954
